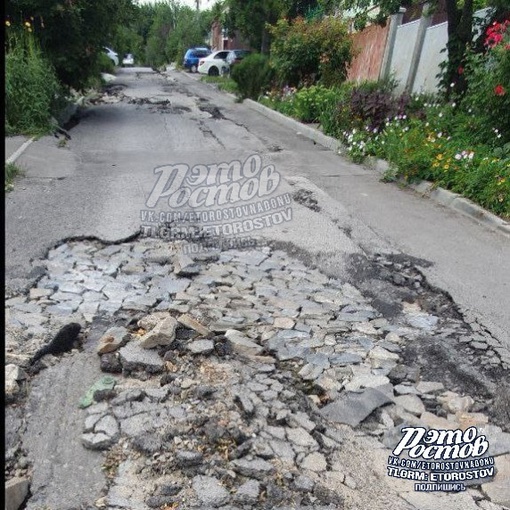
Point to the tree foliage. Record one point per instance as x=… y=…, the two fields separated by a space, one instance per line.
x=191 y=29
x=251 y=17
x=71 y=34
x=304 y=52
x=172 y=30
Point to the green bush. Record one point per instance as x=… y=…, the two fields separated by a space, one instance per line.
x=71 y=33
x=252 y=75
x=31 y=87
x=311 y=102
x=306 y=52
x=105 y=64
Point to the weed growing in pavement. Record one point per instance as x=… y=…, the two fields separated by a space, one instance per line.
x=11 y=171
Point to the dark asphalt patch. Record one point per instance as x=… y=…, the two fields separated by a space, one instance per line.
x=305 y=197
x=212 y=110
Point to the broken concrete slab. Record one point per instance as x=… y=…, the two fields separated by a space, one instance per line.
x=191 y=323
x=133 y=357
x=210 y=491
x=163 y=333
x=499 y=489
x=241 y=344
x=113 y=339
x=16 y=491
x=353 y=408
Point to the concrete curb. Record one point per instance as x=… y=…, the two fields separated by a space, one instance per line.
x=447 y=199
x=424 y=188
x=13 y=157
x=302 y=129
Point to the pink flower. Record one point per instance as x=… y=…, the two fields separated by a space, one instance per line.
x=499 y=90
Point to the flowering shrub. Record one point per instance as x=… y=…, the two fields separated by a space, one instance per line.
x=307 y=51
x=358 y=144
x=488 y=90
x=461 y=145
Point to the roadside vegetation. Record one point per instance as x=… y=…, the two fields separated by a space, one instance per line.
x=462 y=144
x=54 y=51
x=11 y=171
x=31 y=85
x=459 y=138
x=225 y=83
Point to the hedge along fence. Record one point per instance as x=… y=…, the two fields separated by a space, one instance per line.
x=309 y=51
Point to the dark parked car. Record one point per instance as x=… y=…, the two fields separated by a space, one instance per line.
x=235 y=56
x=192 y=57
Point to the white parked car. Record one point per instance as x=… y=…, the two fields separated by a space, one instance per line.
x=128 y=60
x=214 y=64
x=114 y=57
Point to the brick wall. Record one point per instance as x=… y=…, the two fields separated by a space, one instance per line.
x=218 y=42
x=369 y=47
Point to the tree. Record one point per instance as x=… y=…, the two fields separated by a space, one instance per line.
x=191 y=29
x=72 y=33
x=163 y=22
x=250 y=18
x=172 y=29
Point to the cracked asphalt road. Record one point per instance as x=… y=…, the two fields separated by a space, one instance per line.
x=97 y=184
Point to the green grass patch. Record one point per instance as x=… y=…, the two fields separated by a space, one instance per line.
x=225 y=83
x=11 y=171
x=31 y=87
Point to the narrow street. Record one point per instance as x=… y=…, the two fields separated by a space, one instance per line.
x=275 y=372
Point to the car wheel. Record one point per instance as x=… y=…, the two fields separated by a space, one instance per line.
x=193 y=69
x=213 y=71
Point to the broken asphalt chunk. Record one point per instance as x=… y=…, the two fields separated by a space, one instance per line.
x=353 y=408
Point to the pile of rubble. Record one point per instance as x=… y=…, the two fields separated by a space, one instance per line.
x=244 y=379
